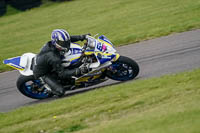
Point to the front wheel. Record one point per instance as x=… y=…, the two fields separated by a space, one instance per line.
x=32 y=88
x=123 y=69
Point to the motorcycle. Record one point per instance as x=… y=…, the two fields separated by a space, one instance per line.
x=101 y=58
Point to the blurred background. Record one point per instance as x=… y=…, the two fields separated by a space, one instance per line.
x=22 y=5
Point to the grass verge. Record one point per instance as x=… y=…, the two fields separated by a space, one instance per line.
x=123 y=21
x=166 y=104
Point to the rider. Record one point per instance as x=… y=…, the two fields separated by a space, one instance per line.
x=49 y=60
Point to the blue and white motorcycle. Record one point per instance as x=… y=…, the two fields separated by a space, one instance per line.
x=98 y=54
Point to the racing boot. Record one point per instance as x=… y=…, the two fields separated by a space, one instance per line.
x=56 y=88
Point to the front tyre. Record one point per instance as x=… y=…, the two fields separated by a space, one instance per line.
x=123 y=69
x=32 y=88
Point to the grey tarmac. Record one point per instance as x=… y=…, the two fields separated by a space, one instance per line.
x=166 y=55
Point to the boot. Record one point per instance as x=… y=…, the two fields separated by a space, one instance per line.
x=56 y=88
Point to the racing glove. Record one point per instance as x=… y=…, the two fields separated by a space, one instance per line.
x=83 y=37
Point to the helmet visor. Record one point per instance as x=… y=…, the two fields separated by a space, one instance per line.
x=64 y=44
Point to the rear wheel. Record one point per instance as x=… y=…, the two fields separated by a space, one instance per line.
x=32 y=88
x=123 y=69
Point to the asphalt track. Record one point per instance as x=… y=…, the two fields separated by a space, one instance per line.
x=170 y=54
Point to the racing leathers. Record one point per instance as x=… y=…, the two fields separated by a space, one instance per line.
x=49 y=61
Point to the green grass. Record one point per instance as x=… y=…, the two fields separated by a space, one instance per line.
x=169 y=104
x=123 y=21
x=11 y=11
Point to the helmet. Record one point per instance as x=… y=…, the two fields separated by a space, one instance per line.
x=61 y=39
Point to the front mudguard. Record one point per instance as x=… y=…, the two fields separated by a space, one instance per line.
x=116 y=57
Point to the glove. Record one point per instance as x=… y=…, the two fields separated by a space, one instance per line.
x=84 y=37
x=88 y=34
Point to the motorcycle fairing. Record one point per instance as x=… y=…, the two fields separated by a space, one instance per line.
x=73 y=55
x=14 y=63
x=21 y=63
x=103 y=55
x=94 y=75
x=104 y=38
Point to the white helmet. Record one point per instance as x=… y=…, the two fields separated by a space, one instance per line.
x=61 y=39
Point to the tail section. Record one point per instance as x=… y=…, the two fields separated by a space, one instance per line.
x=14 y=63
x=21 y=63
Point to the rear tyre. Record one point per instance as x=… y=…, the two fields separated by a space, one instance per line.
x=123 y=69
x=32 y=88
